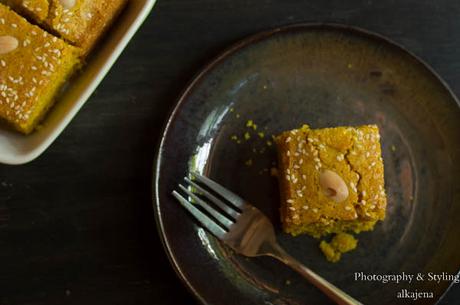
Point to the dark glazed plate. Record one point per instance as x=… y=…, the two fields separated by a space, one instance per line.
x=323 y=75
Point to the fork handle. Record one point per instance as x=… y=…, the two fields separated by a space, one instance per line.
x=334 y=293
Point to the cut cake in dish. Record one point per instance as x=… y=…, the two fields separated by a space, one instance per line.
x=79 y=22
x=33 y=67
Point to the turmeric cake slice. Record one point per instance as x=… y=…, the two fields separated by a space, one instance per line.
x=33 y=66
x=331 y=180
x=80 y=22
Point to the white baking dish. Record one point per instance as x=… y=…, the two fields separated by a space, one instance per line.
x=18 y=149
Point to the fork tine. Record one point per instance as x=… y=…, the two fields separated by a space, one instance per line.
x=219 y=189
x=227 y=209
x=221 y=218
x=207 y=222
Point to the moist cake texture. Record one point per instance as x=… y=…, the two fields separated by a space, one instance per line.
x=331 y=180
x=33 y=67
x=35 y=9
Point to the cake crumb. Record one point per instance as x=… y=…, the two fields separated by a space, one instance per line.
x=251 y=124
x=340 y=243
x=247 y=136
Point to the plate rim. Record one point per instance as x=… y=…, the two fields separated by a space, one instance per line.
x=214 y=62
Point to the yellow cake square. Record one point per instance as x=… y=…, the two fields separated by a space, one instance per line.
x=331 y=180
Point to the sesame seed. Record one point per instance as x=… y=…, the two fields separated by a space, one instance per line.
x=290 y=201
x=363 y=193
x=348 y=208
x=288 y=178
x=288 y=139
x=292 y=208
x=304 y=177
x=295 y=216
x=315 y=210
x=305 y=207
x=288 y=153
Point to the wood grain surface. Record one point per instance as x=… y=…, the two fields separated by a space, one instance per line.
x=77 y=226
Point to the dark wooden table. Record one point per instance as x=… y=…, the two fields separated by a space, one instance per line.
x=76 y=225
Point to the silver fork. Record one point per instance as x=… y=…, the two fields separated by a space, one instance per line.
x=246 y=230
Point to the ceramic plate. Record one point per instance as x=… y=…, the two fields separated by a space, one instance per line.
x=323 y=75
